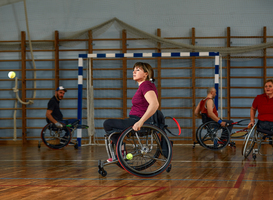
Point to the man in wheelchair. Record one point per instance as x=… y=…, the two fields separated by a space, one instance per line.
x=144 y=103
x=56 y=134
x=208 y=112
x=53 y=112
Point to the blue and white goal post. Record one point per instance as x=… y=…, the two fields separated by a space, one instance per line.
x=218 y=74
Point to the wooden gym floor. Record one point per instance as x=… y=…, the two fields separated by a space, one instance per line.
x=31 y=173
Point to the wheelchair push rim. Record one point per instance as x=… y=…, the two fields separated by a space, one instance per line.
x=249 y=142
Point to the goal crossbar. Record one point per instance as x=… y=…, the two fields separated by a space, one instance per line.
x=81 y=57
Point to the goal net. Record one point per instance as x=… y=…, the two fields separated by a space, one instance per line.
x=181 y=78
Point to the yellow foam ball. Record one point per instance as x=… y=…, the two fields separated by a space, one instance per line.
x=11 y=74
x=129 y=156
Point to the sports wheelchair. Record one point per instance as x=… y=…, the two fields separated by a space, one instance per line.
x=145 y=153
x=212 y=136
x=57 y=138
x=259 y=136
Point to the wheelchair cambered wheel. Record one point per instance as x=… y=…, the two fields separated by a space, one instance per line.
x=150 y=149
x=249 y=142
x=213 y=136
x=55 y=138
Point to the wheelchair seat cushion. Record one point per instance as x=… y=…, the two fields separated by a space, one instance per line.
x=156 y=119
x=52 y=127
x=114 y=131
x=265 y=127
x=205 y=118
x=269 y=133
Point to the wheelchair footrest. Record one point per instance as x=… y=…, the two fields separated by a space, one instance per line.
x=232 y=144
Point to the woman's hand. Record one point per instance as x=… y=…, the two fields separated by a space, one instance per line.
x=137 y=126
x=251 y=124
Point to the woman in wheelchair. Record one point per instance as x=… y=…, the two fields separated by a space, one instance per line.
x=144 y=103
x=263 y=128
x=263 y=103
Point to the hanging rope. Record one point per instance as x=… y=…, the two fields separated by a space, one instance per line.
x=31 y=50
x=15 y=89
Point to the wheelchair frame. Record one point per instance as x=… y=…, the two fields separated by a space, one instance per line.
x=256 y=135
x=58 y=138
x=149 y=157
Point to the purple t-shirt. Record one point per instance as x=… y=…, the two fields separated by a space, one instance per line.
x=139 y=102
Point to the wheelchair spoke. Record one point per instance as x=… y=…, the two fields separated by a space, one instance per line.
x=206 y=137
x=138 y=139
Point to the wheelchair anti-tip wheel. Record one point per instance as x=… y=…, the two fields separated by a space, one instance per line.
x=213 y=136
x=55 y=138
x=249 y=142
x=150 y=151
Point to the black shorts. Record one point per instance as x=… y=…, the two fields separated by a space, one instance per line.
x=265 y=125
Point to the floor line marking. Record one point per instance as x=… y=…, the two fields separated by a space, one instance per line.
x=241 y=176
x=173 y=161
x=137 y=179
x=134 y=195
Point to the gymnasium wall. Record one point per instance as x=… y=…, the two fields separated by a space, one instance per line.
x=209 y=21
